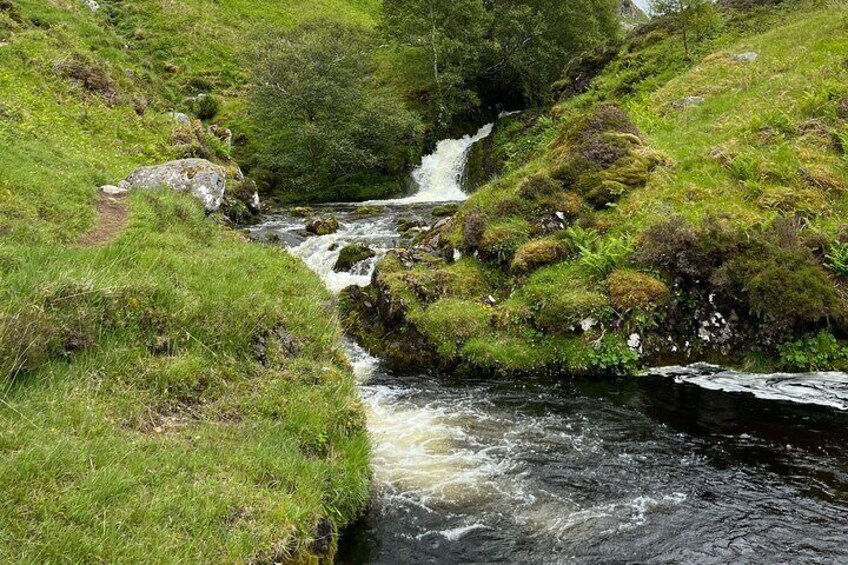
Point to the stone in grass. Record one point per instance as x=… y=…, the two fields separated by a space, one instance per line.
x=203 y=179
x=350 y=255
x=322 y=226
x=747 y=57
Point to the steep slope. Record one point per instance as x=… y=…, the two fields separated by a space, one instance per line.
x=670 y=210
x=169 y=393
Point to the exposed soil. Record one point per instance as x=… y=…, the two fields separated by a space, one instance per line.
x=112 y=213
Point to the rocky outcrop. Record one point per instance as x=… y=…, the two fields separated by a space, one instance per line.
x=322 y=226
x=203 y=179
x=350 y=255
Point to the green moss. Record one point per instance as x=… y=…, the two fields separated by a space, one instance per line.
x=630 y=290
x=502 y=238
x=350 y=255
x=450 y=322
x=538 y=253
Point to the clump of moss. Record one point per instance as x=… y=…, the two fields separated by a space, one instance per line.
x=501 y=239
x=601 y=156
x=450 y=322
x=538 y=253
x=537 y=185
x=350 y=255
x=634 y=291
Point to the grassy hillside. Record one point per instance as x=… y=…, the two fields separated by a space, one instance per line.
x=174 y=394
x=674 y=210
x=85 y=95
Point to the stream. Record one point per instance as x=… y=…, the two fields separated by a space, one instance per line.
x=684 y=465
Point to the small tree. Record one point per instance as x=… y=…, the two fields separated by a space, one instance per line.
x=321 y=116
x=692 y=17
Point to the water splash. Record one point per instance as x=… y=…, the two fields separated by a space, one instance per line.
x=439 y=177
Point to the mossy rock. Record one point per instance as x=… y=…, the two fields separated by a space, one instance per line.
x=450 y=322
x=631 y=290
x=301 y=212
x=350 y=255
x=367 y=211
x=565 y=309
x=535 y=254
x=445 y=210
x=322 y=226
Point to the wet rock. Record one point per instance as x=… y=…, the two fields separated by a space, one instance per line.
x=350 y=255
x=202 y=179
x=406 y=224
x=322 y=226
x=301 y=212
x=323 y=538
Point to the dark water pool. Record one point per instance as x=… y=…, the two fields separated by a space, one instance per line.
x=605 y=471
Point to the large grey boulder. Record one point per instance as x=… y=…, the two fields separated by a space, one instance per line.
x=203 y=179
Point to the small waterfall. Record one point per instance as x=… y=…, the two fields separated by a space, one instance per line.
x=439 y=177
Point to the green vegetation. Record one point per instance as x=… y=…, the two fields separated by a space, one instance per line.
x=680 y=202
x=174 y=393
x=475 y=53
x=328 y=129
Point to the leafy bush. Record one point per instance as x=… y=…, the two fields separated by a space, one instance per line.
x=611 y=355
x=324 y=123
x=819 y=352
x=206 y=106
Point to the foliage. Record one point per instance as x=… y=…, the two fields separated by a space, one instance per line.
x=817 y=352
x=837 y=258
x=611 y=355
x=322 y=119
x=692 y=17
x=495 y=52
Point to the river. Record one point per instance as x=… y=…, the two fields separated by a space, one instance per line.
x=684 y=465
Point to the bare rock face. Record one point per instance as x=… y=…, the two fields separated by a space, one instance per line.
x=203 y=179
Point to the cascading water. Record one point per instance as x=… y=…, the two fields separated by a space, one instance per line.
x=439 y=177
x=664 y=469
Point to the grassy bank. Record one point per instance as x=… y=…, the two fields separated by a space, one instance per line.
x=175 y=394
x=674 y=210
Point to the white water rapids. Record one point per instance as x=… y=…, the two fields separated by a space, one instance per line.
x=488 y=472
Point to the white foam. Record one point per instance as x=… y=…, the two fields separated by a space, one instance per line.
x=823 y=389
x=439 y=177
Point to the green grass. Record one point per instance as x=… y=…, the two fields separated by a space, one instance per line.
x=139 y=424
x=767 y=142
x=139 y=421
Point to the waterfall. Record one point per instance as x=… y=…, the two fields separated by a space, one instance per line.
x=439 y=177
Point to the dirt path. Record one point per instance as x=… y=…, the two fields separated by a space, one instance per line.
x=112 y=214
